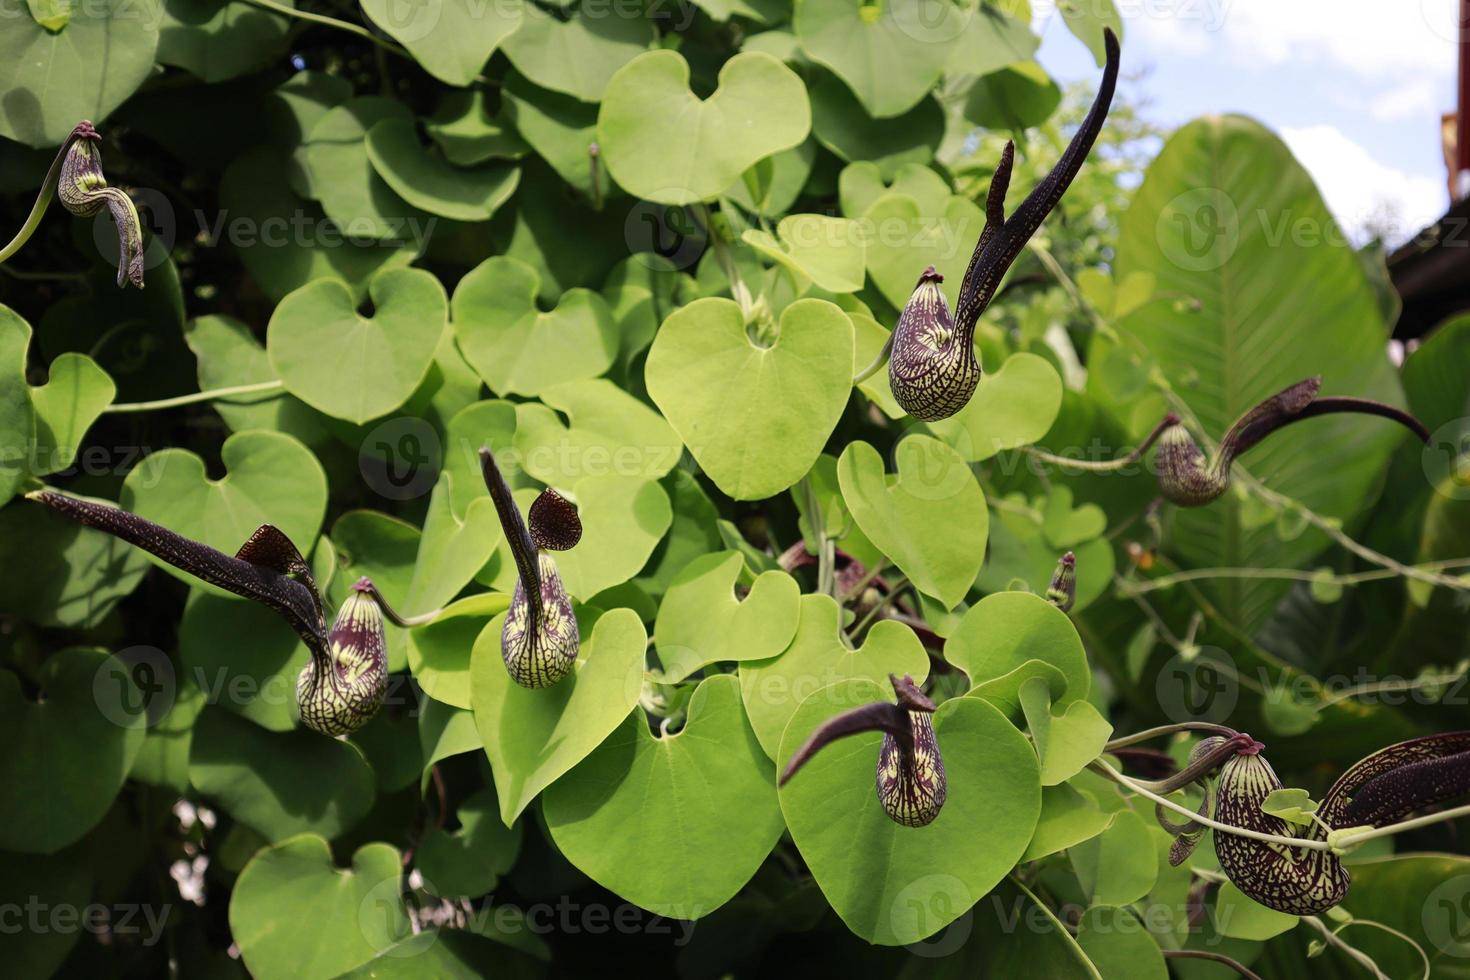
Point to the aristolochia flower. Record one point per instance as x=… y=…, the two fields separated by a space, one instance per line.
x=539 y=640
x=340 y=692
x=911 y=781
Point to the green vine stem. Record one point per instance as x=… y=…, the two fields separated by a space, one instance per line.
x=1103 y=465
x=1101 y=767
x=324 y=20
x=1150 y=734
x=1128 y=589
x=1333 y=939
x=1221 y=958
x=739 y=291
x=1373 y=924
x=199 y=396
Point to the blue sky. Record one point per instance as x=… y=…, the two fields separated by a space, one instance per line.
x=1355 y=87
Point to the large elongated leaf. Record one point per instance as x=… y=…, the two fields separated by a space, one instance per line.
x=1226 y=216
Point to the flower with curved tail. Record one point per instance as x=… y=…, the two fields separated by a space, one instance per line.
x=340 y=691
x=932 y=369
x=1188 y=479
x=539 y=640
x=343 y=685
x=911 y=782
x=1376 y=792
x=267 y=568
x=76 y=178
x=1062 y=592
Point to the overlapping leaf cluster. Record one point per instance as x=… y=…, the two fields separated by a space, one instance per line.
x=640 y=251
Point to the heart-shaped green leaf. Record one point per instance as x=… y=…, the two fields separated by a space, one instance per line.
x=242 y=657
x=295 y=914
x=534 y=736
x=1014 y=98
x=893 y=884
x=467 y=862
x=72 y=398
x=665 y=144
x=229 y=355
x=452 y=549
x=1119 y=945
x=427 y=181
x=827 y=251
x=1064 y=742
x=467 y=134
x=754 y=417
x=818 y=658
x=219 y=41
x=708 y=786
x=701 y=622
x=611 y=434
x=375 y=362
x=931 y=521
x=841 y=125
x=67 y=755
x=1004 y=631
x=558 y=127
x=103 y=56
x=451 y=39
x=623 y=518
x=1120 y=865
x=861 y=185
x=343 y=179
x=912 y=238
x=890 y=54
x=74 y=575
x=269 y=478
x=52 y=881
x=1012 y=407
x=439 y=653
x=17 y=417
x=1068 y=817
x=254 y=190
x=279 y=784
x=577 y=54
x=515 y=347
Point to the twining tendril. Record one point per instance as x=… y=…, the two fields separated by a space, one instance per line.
x=539 y=640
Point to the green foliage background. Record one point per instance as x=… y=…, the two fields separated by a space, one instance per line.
x=641 y=249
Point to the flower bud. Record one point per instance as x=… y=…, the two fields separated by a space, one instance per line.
x=82 y=189
x=340 y=691
x=1062 y=592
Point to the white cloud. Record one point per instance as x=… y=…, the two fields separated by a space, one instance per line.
x=1369 y=38
x=1417 y=98
x=1363 y=194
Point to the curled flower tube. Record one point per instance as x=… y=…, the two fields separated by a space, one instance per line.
x=1188 y=479
x=76 y=178
x=539 y=640
x=932 y=367
x=910 y=779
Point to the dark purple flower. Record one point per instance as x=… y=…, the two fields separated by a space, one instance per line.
x=539 y=640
